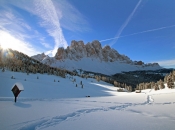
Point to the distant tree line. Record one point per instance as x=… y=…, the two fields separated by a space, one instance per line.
x=168 y=79
x=114 y=82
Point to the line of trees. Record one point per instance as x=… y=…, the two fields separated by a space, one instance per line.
x=114 y=82
x=19 y=62
x=168 y=79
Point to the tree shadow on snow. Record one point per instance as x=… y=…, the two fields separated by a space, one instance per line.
x=22 y=105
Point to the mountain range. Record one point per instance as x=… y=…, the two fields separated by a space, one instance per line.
x=94 y=58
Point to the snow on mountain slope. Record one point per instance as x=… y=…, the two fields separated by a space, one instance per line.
x=92 y=57
x=50 y=86
x=39 y=57
x=48 y=105
x=94 y=65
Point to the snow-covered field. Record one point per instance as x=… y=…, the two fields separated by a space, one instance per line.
x=48 y=105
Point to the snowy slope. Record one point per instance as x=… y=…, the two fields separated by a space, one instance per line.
x=95 y=65
x=45 y=87
x=48 y=105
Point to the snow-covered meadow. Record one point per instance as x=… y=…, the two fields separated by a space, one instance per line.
x=52 y=103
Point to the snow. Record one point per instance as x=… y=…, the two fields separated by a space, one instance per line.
x=95 y=65
x=50 y=105
x=20 y=86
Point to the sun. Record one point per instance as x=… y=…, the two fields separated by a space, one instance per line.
x=5 y=46
x=7 y=41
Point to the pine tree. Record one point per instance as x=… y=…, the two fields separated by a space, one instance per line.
x=173 y=75
x=170 y=82
x=165 y=79
x=162 y=86
x=156 y=86
x=98 y=78
x=152 y=85
x=116 y=84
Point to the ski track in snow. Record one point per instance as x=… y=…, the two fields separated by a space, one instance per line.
x=44 y=123
x=48 y=122
x=151 y=115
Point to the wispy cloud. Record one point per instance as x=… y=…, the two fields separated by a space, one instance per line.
x=10 y=20
x=50 y=20
x=167 y=63
x=125 y=23
x=151 y=30
x=12 y=32
x=46 y=45
x=71 y=19
x=9 y=41
x=51 y=15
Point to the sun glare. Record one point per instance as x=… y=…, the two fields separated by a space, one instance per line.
x=5 y=45
x=7 y=41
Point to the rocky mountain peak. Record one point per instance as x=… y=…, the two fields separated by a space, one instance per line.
x=93 y=57
x=61 y=54
x=76 y=44
x=96 y=44
x=107 y=48
x=78 y=50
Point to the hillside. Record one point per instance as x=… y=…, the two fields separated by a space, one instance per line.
x=48 y=104
x=52 y=86
x=19 y=62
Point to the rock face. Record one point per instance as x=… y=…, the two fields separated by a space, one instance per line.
x=94 y=58
x=78 y=50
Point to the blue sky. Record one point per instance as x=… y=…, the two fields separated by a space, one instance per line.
x=141 y=29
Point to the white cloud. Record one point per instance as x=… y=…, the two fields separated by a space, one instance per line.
x=46 y=11
x=46 y=45
x=10 y=19
x=146 y=31
x=125 y=23
x=71 y=18
x=51 y=16
x=9 y=41
x=56 y=14
x=13 y=32
x=167 y=63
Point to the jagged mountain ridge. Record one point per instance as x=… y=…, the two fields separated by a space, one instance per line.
x=78 y=50
x=93 y=57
